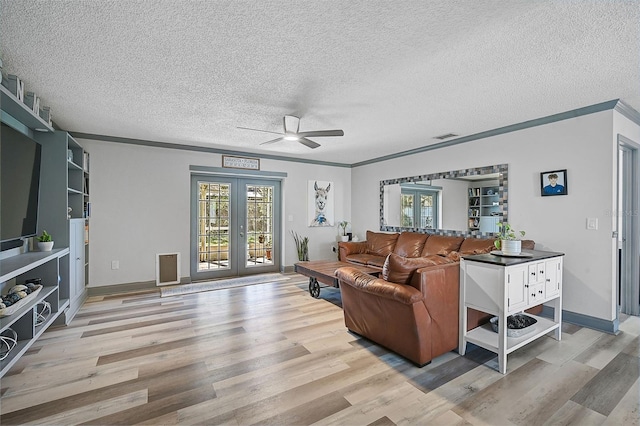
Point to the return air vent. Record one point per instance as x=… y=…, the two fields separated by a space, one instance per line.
x=446 y=136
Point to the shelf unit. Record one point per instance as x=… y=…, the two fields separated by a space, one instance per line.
x=484 y=208
x=64 y=183
x=504 y=286
x=474 y=208
x=49 y=266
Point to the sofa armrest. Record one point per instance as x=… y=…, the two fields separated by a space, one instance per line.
x=345 y=248
x=377 y=286
x=440 y=286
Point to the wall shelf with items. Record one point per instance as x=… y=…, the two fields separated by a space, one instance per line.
x=16 y=270
x=21 y=112
x=65 y=185
x=474 y=208
x=484 y=208
x=62 y=185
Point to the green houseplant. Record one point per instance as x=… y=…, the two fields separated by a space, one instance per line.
x=45 y=242
x=508 y=239
x=302 y=245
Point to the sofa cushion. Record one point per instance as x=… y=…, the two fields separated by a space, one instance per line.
x=441 y=244
x=457 y=255
x=398 y=269
x=381 y=244
x=363 y=258
x=410 y=244
x=477 y=245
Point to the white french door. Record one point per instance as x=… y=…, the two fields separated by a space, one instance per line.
x=235 y=226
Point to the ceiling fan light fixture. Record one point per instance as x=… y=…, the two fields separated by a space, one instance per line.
x=291 y=137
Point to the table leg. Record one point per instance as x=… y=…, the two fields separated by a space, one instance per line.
x=502 y=342
x=314 y=287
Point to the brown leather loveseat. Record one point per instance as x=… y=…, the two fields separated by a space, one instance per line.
x=412 y=308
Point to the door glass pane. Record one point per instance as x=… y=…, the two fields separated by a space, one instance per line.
x=213 y=225
x=406 y=203
x=260 y=225
x=426 y=211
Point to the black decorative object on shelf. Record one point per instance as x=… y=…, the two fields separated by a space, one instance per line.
x=517 y=325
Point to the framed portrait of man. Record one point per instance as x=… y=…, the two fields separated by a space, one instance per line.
x=553 y=183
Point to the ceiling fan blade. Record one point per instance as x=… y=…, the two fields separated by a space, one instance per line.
x=306 y=142
x=272 y=141
x=258 y=130
x=318 y=133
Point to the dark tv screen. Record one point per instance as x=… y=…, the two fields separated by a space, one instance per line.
x=19 y=184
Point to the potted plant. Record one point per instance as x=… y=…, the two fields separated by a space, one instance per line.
x=343 y=225
x=508 y=240
x=267 y=247
x=45 y=242
x=302 y=245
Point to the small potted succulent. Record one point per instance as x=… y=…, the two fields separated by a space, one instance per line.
x=508 y=240
x=343 y=225
x=45 y=242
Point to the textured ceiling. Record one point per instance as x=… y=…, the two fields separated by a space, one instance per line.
x=391 y=74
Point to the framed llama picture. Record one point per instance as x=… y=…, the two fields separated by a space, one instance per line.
x=320 y=205
x=553 y=183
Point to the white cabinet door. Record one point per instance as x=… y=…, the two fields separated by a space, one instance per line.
x=516 y=288
x=553 y=277
x=76 y=257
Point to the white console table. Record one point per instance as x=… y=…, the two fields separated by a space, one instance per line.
x=504 y=286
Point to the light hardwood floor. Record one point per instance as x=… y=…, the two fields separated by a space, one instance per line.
x=271 y=354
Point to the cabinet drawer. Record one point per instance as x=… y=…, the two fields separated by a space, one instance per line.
x=535 y=294
x=536 y=273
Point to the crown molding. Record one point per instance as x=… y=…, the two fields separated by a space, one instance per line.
x=628 y=112
x=604 y=106
x=168 y=145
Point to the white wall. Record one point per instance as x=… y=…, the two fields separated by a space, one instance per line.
x=140 y=206
x=140 y=200
x=583 y=146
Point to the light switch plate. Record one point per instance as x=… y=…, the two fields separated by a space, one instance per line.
x=592 y=223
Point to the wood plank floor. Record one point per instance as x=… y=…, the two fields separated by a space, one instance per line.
x=271 y=354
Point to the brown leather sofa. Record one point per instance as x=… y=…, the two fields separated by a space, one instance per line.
x=412 y=308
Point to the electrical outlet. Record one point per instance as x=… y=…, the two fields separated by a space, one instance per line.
x=115 y=264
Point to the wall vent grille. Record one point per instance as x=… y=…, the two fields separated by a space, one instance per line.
x=446 y=136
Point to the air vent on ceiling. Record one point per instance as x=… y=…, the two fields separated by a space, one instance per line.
x=446 y=136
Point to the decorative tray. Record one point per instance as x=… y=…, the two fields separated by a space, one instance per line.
x=10 y=310
x=500 y=253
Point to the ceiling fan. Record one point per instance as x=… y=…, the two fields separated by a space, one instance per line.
x=292 y=132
